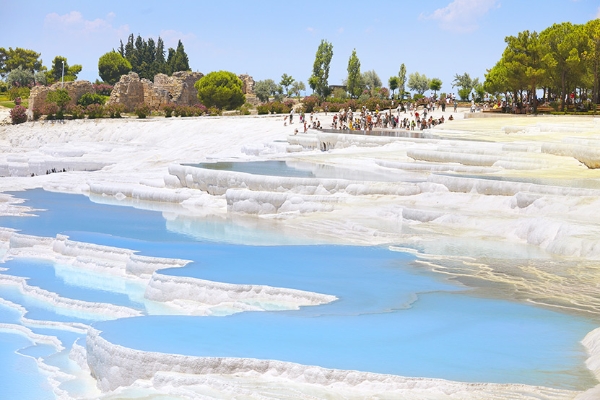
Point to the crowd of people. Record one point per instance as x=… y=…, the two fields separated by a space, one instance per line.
x=407 y=116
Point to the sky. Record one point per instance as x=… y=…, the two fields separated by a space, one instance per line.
x=267 y=38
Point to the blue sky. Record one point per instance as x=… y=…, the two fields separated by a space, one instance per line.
x=265 y=39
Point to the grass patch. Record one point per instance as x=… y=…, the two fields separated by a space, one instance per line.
x=11 y=104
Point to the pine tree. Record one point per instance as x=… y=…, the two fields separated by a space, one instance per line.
x=159 y=60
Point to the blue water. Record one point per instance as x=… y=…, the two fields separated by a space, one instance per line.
x=295 y=169
x=389 y=316
x=19 y=375
x=42 y=274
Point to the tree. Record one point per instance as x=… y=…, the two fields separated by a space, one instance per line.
x=465 y=85
x=564 y=46
x=20 y=77
x=111 y=66
x=402 y=80
x=394 y=83
x=319 y=78
x=593 y=58
x=26 y=59
x=435 y=84
x=265 y=89
x=179 y=61
x=286 y=82
x=523 y=60
x=496 y=80
x=418 y=83
x=56 y=73
x=147 y=57
x=354 y=83
x=221 y=89
x=298 y=87
x=371 y=80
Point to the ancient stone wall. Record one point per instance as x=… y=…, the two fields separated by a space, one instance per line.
x=177 y=89
x=76 y=89
x=129 y=92
x=180 y=86
x=247 y=84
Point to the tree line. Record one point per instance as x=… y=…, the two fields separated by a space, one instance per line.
x=144 y=57
x=562 y=60
x=362 y=85
x=24 y=68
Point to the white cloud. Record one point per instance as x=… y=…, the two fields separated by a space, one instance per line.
x=462 y=15
x=598 y=13
x=310 y=29
x=74 y=22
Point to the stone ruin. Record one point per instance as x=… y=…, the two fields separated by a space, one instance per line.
x=248 y=89
x=76 y=89
x=178 y=89
x=131 y=91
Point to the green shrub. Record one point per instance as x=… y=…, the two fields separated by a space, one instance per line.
x=61 y=98
x=214 y=111
x=115 y=110
x=263 y=109
x=554 y=105
x=245 y=109
x=199 y=109
x=18 y=115
x=18 y=91
x=277 y=107
x=77 y=112
x=94 y=111
x=310 y=103
x=50 y=110
x=168 y=110
x=142 y=111
x=91 y=98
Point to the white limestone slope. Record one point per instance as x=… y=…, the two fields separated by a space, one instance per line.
x=518 y=196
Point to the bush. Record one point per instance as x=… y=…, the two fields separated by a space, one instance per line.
x=37 y=113
x=142 y=111
x=90 y=98
x=263 y=109
x=94 y=111
x=77 y=112
x=3 y=87
x=60 y=97
x=115 y=110
x=199 y=109
x=17 y=101
x=277 y=107
x=103 y=89
x=50 y=110
x=168 y=110
x=418 y=97
x=18 y=91
x=221 y=90
x=554 y=105
x=181 y=111
x=18 y=115
x=214 y=111
x=245 y=109
x=309 y=103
